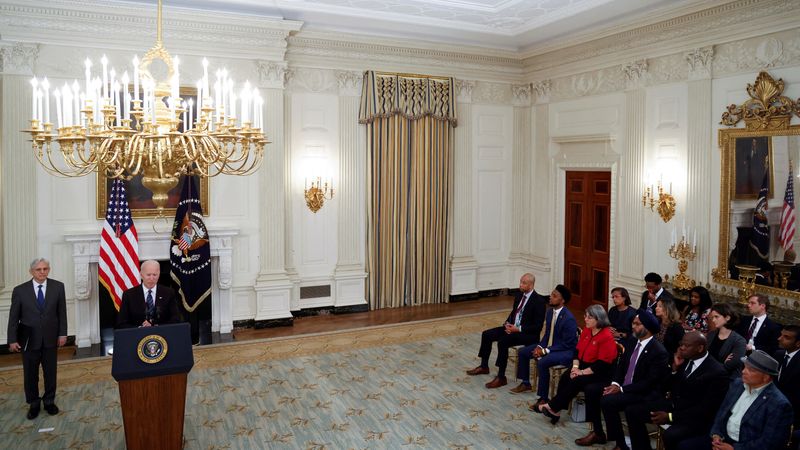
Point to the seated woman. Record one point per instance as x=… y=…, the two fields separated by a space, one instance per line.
x=695 y=316
x=597 y=351
x=671 y=329
x=622 y=314
x=724 y=344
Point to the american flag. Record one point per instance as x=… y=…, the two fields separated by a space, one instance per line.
x=119 y=246
x=787 y=214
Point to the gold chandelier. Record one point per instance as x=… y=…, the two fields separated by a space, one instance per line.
x=118 y=132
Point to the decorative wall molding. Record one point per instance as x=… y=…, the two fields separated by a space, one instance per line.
x=521 y=94
x=350 y=82
x=700 y=61
x=464 y=90
x=492 y=93
x=271 y=74
x=635 y=74
x=542 y=91
x=18 y=58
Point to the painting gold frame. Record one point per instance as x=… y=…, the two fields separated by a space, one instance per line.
x=766 y=115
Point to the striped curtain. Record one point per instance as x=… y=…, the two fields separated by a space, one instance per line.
x=410 y=122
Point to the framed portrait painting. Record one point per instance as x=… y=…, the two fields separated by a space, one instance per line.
x=140 y=199
x=753 y=159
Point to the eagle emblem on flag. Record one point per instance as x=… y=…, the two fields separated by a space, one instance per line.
x=191 y=235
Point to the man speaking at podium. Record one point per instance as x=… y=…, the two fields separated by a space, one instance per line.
x=148 y=304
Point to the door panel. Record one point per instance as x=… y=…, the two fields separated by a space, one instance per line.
x=587 y=235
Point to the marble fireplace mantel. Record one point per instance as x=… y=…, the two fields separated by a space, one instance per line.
x=85 y=254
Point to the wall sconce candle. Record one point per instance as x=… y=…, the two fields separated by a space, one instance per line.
x=316 y=193
x=664 y=203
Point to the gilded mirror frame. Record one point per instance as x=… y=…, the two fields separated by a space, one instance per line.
x=766 y=114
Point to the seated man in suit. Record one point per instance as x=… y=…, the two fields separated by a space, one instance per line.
x=557 y=346
x=639 y=376
x=696 y=388
x=522 y=327
x=753 y=415
x=760 y=332
x=653 y=292
x=148 y=304
x=789 y=373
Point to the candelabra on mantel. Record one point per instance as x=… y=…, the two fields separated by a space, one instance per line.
x=747 y=281
x=110 y=129
x=684 y=253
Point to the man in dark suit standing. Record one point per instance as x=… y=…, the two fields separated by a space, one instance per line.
x=760 y=332
x=522 y=327
x=641 y=371
x=696 y=388
x=557 y=346
x=148 y=304
x=789 y=373
x=37 y=326
x=754 y=415
x=653 y=292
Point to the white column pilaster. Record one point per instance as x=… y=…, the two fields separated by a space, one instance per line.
x=350 y=274
x=522 y=183
x=629 y=220
x=463 y=266
x=18 y=176
x=273 y=286
x=541 y=230
x=700 y=136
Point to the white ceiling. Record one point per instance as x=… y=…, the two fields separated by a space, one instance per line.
x=517 y=25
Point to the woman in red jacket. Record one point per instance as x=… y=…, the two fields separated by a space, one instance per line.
x=597 y=351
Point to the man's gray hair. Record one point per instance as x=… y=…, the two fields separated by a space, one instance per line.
x=39 y=260
x=530 y=277
x=149 y=261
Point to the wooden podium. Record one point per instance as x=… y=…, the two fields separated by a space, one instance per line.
x=150 y=364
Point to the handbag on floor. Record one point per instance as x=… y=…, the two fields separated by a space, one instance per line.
x=578 y=413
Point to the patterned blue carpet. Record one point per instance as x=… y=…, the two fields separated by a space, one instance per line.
x=413 y=394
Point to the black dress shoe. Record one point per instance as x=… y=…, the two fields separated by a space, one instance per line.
x=33 y=412
x=51 y=409
x=553 y=418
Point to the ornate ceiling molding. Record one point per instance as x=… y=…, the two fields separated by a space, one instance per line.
x=700 y=60
x=725 y=23
x=542 y=91
x=350 y=82
x=95 y=23
x=521 y=94
x=464 y=90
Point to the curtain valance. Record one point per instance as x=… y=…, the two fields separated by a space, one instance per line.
x=384 y=95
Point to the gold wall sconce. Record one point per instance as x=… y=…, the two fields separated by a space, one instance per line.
x=663 y=203
x=317 y=192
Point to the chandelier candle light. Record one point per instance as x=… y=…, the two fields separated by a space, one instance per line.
x=684 y=253
x=124 y=127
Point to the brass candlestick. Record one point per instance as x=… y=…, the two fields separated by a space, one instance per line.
x=747 y=282
x=684 y=253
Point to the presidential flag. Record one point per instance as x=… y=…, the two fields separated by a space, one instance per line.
x=190 y=253
x=787 y=214
x=118 y=267
x=760 y=239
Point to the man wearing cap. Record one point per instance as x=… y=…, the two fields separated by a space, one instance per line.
x=557 y=346
x=696 y=389
x=755 y=414
x=522 y=327
x=641 y=371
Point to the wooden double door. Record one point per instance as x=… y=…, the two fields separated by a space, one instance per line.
x=587 y=235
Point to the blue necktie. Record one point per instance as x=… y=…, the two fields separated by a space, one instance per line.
x=150 y=303
x=40 y=298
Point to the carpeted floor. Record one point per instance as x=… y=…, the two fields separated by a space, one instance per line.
x=389 y=387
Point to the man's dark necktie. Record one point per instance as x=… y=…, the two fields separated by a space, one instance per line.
x=151 y=304
x=784 y=363
x=752 y=328
x=40 y=298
